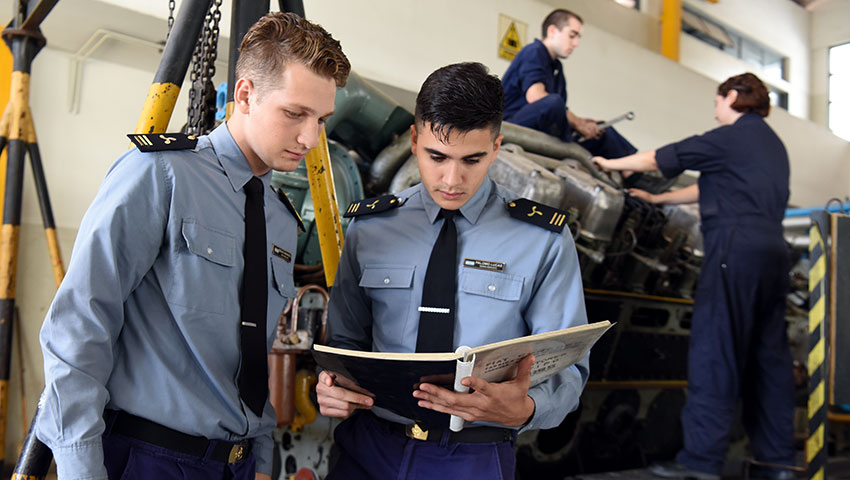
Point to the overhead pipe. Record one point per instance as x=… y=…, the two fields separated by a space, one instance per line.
x=544 y=144
x=395 y=157
x=244 y=14
x=387 y=163
x=162 y=95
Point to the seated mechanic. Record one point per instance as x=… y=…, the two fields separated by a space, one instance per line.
x=536 y=90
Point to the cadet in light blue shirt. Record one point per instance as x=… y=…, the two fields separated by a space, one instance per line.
x=142 y=341
x=513 y=279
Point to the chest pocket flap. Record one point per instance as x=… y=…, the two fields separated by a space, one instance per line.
x=501 y=286
x=214 y=245
x=387 y=276
x=282 y=272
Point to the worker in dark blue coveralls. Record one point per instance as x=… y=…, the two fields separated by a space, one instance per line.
x=514 y=272
x=536 y=90
x=738 y=343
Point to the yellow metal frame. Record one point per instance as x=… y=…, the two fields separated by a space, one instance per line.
x=159 y=105
x=640 y=296
x=665 y=384
x=328 y=226
x=671 y=28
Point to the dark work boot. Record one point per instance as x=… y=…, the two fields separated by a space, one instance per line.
x=763 y=473
x=679 y=471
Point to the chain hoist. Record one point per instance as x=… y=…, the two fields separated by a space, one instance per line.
x=202 y=93
x=171 y=6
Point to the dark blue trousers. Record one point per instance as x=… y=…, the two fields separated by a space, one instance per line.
x=739 y=348
x=369 y=449
x=130 y=459
x=549 y=115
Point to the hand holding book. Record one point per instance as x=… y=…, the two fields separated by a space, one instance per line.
x=392 y=377
x=339 y=397
x=506 y=403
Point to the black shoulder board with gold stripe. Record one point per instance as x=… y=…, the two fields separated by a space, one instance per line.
x=154 y=142
x=368 y=206
x=538 y=214
x=289 y=206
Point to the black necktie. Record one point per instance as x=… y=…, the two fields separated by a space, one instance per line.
x=437 y=310
x=253 y=375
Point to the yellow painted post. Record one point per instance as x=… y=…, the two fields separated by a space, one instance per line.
x=159 y=105
x=319 y=173
x=5 y=86
x=671 y=28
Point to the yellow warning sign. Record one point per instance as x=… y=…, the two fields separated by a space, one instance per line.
x=512 y=37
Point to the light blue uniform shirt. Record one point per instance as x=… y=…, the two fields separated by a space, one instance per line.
x=378 y=286
x=147 y=318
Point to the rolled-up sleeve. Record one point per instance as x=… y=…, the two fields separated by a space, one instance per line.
x=703 y=153
x=534 y=70
x=118 y=242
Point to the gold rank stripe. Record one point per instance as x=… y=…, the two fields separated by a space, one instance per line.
x=814 y=444
x=817 y=314
x=353 y=207
x=144 y=140
x=816 y=356
x=558 y=219
x=816 y=399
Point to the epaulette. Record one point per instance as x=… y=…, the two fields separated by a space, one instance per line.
x=155 y=142
x=368 y=206
x=289 y=206
x=538 y=214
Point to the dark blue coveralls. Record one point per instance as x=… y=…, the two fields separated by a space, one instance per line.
x=738 y=344
x=533 y=64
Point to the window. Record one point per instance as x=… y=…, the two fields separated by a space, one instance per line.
x=839 y=90
x=629 y=3
x=772 y=64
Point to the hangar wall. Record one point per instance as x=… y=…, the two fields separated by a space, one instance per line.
x=615 y=69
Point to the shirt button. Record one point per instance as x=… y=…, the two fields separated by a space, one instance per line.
x=491 y=287
x=386 y=280
x=282 y=286
x=209 y=251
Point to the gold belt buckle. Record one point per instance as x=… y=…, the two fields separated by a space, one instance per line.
x=237 y=453
x=415 y=431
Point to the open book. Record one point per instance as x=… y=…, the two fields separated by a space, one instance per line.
x=392 y=377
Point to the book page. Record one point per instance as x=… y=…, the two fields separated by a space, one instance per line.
x=553 y=352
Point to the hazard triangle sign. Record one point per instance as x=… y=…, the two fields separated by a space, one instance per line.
x=510 y=44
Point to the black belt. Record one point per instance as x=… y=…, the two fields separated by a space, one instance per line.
x=151 y=432
x=435 y=434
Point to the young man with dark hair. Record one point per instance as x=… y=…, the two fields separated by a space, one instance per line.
x=487 y=267
x=536 y=89
x=155 y=345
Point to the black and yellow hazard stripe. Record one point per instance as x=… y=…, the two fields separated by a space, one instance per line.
x=817 y=407
x=17 y=133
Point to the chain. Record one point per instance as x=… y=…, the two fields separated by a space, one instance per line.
x=201 y=114
x=170 y=18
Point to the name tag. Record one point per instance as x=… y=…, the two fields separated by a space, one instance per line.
x=484 y=265
x=281 y=253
